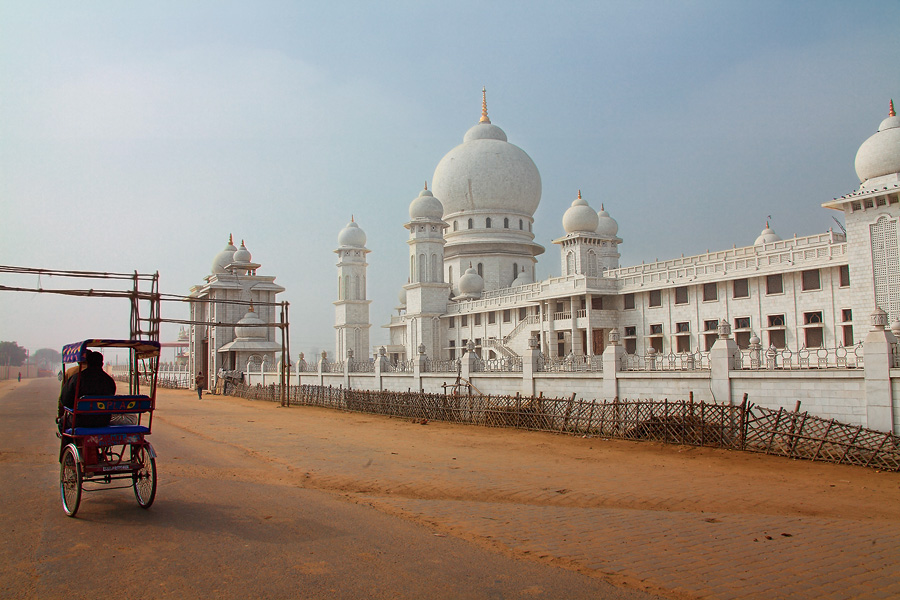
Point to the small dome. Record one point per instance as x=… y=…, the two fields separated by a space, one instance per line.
x=224 y=258
x=352 y=235
x=524 y=278
x=580 y=217
x=242 y=255
x=606 y=225
x=426 y=206
x=485 y=131
x=880 y=154
x=767 y=236
x=471 y=283
x=243 y=330
x=402 y=296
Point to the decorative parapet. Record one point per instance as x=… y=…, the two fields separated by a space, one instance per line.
x=785 y=359
x=362 y=366
x=793 y=254
x=332 y=367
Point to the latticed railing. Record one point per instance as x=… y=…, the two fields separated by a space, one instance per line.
x=442 y=366
x=570 y=364
x=333 y=367
x=307 y=367
x=499 y=365
x=681 y=361
x=401 y=366
x=744 y=426
x=806 y=358
x=895 y=355
x=361 y=366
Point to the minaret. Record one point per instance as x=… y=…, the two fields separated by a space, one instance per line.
x=426 y=292
x=351 y=310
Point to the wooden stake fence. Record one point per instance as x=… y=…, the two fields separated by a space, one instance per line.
x=737 y=427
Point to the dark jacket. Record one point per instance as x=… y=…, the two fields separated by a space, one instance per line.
x=93 y=381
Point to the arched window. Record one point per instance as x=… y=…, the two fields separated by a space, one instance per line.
x=450 y=274
x=570 y=263
x=471 y=224
x=487 y=223
x=356 y=295
x=591 y=264
x=435 y=272
x=340 y=290
x=346 y=287
x=455 y=225
x=506 y=223
x=515 y=271
x=412 y=268
x=520 y=224
x=362 y=291
x=480 y=270
x=422 y=266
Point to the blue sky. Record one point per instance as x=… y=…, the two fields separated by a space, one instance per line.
x=138 y=136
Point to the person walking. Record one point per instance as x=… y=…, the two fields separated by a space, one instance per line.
x=200 y=380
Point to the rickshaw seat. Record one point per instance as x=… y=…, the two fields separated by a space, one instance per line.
x=111 y=429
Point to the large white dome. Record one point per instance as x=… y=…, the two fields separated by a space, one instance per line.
x=880 y=154
x=486 y=172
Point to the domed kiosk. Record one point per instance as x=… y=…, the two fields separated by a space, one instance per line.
x=490 y=190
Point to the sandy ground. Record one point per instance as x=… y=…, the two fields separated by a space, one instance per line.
x=639 y=514
x=678 y=521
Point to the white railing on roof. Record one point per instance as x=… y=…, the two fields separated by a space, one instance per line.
x=813 y=249
x=532 y=292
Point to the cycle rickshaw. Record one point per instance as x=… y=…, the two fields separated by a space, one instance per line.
x=117 y=455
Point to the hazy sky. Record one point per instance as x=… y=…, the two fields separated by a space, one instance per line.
x=137 y=136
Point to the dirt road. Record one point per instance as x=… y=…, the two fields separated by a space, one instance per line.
x=249 y=487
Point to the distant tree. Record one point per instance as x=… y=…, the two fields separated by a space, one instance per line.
x=12 y=354
x=47 y=358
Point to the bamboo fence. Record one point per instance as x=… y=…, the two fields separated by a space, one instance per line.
x=738 y=427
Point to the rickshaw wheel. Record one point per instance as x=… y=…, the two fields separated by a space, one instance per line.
x=70 y=478
x=144 y=479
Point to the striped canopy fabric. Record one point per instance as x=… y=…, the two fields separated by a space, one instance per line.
x=72 y=353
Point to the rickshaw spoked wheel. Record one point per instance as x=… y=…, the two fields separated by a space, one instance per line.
x=144 y=479
x=70 y=478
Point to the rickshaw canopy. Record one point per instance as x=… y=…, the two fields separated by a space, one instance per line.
x=72 y=353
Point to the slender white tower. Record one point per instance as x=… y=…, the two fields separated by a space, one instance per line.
x=426 y=293
x=351 y=310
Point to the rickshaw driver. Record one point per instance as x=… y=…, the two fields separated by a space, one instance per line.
x=94 y=381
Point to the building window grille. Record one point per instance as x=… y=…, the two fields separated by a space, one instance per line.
x=655 y=298
x=810 y=280
x=628 y=300
x=886 y=266
x=464 y=320
x=523 y=312
x=505 y=223
x=774 y=284
x=455 y=225
x=487 y=223
x=741 y=288
x=844 y=275
x=492 y=318
x=710 y=292
x=597 y=303
x=520 y=224
x=681 y=295
x=478 y=318
x=507 y=315
x=480 y=270
x=471 y=223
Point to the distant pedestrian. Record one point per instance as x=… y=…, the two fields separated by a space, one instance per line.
x=20 y=377
x=201 y=384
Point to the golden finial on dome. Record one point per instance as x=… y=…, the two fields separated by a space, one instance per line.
x=602 y=207
x=579 y=194
x=251 y=306
x=484 y=117
x=230 y=240
x=892 y=113
x=426 y=186
x=351 y=219
x=242 y=241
